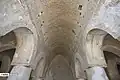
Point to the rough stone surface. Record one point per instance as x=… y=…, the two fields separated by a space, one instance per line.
x=78 y=30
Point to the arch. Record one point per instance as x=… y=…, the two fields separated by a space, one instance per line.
x=97 y=41
x=111 y=45
x=8 y=44
x=112 y=49
x=25 y=44
x=50 y=59
x=24 y=40
x=113 y=62
x=60 y=62
x=24 y=47
x=45 y=63
x=79 y=66
x=93 y=46
x=39 y=71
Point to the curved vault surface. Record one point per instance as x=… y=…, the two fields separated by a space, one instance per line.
x=63 y=37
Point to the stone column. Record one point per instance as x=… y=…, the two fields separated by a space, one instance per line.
x=96 y=73
x=20 y=73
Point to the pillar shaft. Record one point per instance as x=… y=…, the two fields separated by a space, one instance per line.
x=20 y=73
x=96 y=73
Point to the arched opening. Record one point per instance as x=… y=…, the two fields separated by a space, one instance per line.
x=47 y=64
x=111 y=48
x=17 y=48
x=7 y=50
x=6 y=59
x=106 y=51
x=25 y=46
x=113 y=65
x=59 y=69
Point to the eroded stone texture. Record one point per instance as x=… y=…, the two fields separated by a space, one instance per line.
x=78 y=30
